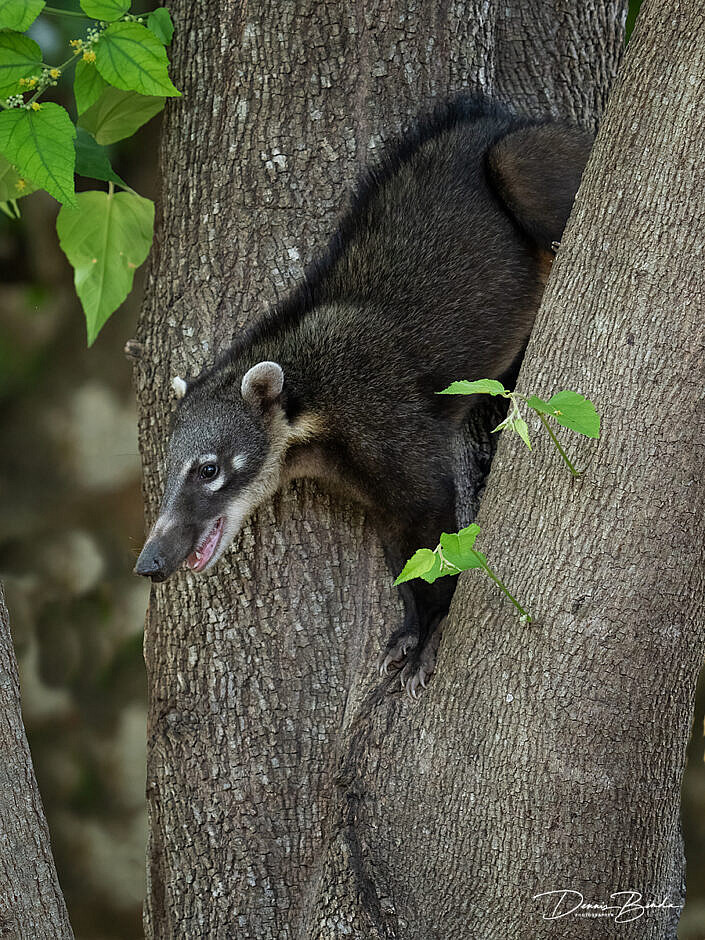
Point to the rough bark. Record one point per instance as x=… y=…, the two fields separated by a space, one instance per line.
x=31 y=902
x=284 y=801
x=583 y=717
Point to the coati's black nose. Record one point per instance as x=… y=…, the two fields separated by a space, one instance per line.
x=151 y=564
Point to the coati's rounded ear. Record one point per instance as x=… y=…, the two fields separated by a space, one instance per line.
x=536 y=172
x=262 y=384
x=179 y=385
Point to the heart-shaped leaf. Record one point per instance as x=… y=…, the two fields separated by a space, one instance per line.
x=107 y=10
x=159 y=21
x=458 y=549
x=570 y=410
x=420 y=562
x=20 y=57
x=478 y=387
x=19 y=14
x=88 y=85
x=106 y=238
x=92 y=160
x=118 y=114
x=130 y=57
x=40 y=146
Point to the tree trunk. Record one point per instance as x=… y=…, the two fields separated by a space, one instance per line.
x=285 y=799
x=31 y=903
x=574 y=743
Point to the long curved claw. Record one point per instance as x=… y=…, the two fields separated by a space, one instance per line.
x=413 y=669
x=396 y=654
x=386 y=662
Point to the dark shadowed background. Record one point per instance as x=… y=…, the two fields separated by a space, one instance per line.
x=70 y=527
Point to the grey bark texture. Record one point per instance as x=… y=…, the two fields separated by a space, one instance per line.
x=581 y=719
x=31 y=903
x=287 y=798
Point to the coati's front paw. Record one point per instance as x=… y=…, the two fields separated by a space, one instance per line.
x=414 y=664
x=421 y=664
x=396 y=652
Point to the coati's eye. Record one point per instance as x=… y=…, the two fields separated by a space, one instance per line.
x=208 y=471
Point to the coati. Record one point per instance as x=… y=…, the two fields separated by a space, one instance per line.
x=434 y=274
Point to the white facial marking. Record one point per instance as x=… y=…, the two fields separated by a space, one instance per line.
x=253 y=495
x=179 y=386
x=239 y=461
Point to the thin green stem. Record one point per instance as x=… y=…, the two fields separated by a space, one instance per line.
x=544 y=422
x=128 y=189
x=38 y=92
x=59 y=68
x=69 y=60
x=55 y=11
x=503 y=587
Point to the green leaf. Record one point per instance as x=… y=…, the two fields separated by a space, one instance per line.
x=11 y=182
x=468 y=535
x=458 y=549
x=107 y=10
x=20 y=57
x=420 y=562
x=131 y=57
x=88 y=85
x=92 y=160
x=538 y=404
x=522 y=429
x=570 y=410
x=118 y=114
x=478 y=387
x=435 y=571
x=105 y=239
x=19 y=14
x=40 y=145
x=159 y=21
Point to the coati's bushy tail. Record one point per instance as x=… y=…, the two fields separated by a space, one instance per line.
x=536 y=172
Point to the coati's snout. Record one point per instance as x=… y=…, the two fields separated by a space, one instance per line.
x=158 y=559
x=172 y=542
x=224 y=460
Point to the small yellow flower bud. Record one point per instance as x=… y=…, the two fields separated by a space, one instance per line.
x=21 y=184
x=35 y=106
x=23 y=82
x=54 y=73
x=89 y=56
x=76 y=44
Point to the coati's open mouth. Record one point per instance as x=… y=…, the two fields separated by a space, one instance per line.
x=207 y=547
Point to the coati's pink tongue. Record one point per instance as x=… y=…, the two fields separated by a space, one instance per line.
x=198 y=559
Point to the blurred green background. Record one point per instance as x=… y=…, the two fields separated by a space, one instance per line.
x=71 y=527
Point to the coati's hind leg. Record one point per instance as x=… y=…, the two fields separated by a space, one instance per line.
x=411 y=649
